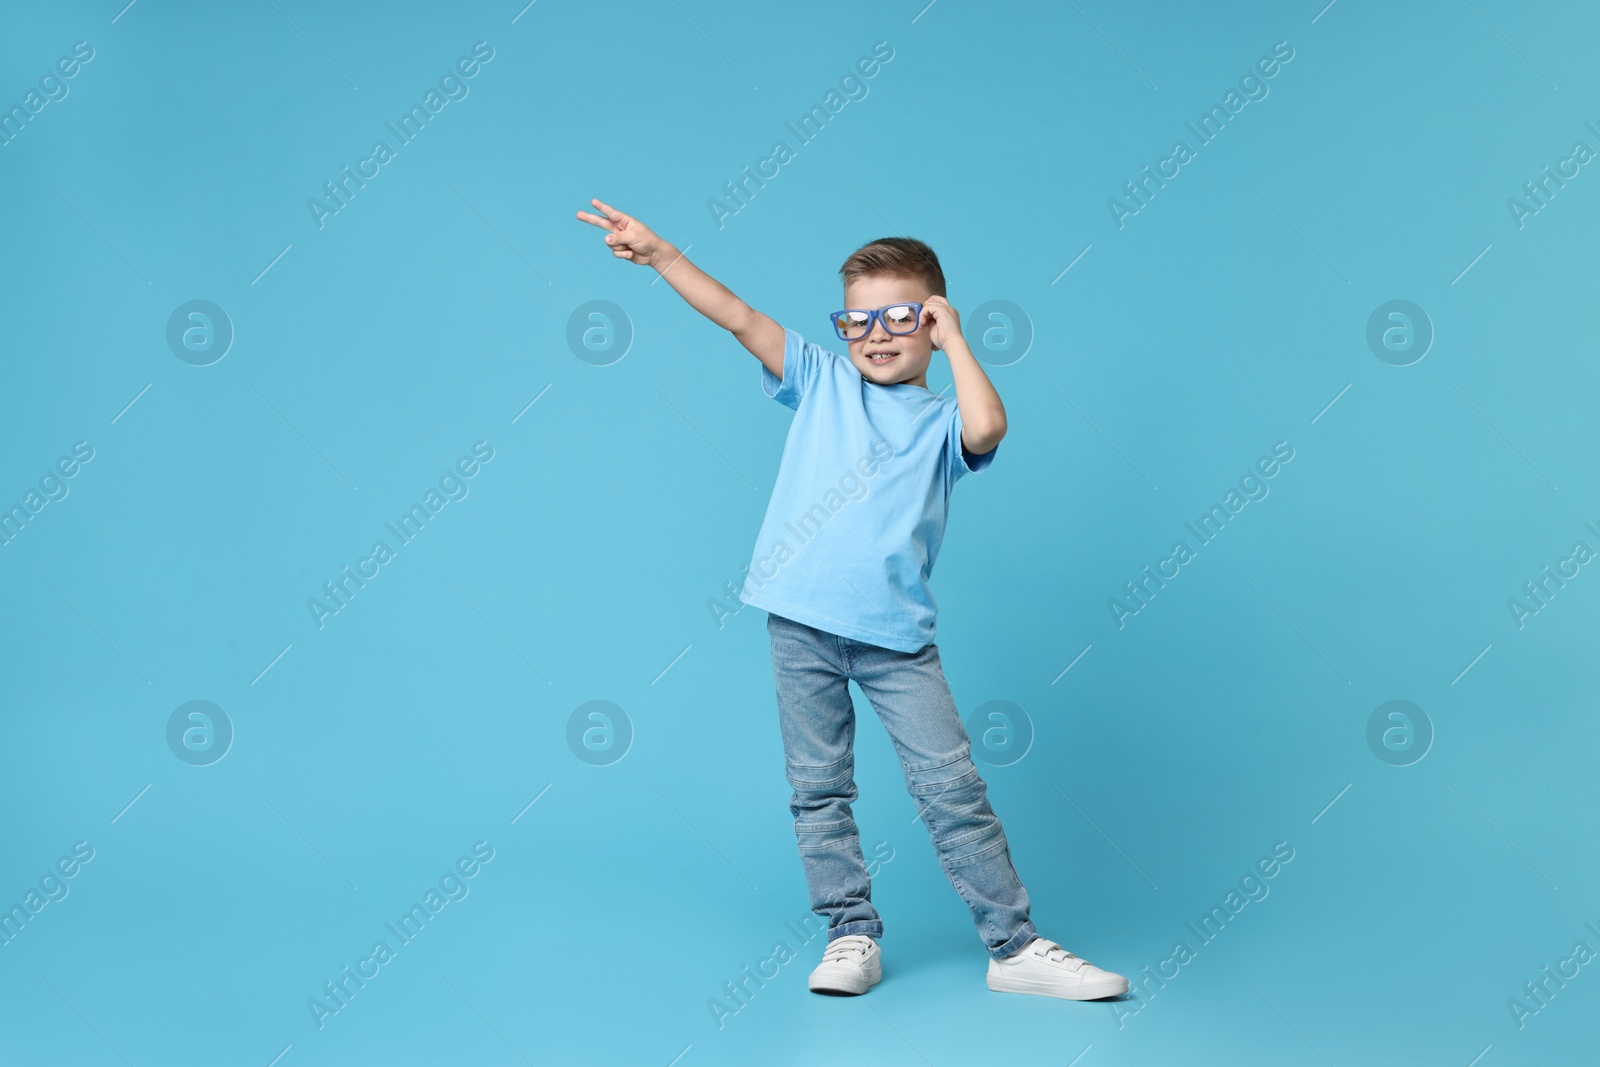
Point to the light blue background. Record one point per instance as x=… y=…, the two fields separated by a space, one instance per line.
x=1230 y=714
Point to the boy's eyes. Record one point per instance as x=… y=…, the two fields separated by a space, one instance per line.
x=853 y=324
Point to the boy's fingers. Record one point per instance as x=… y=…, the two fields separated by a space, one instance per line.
x=611 y=213
x=595 y=220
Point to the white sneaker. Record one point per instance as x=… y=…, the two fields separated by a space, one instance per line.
x=850 y=965
x=1048 y=970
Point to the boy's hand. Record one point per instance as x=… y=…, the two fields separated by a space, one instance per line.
x=943 y=324
x=628 y=238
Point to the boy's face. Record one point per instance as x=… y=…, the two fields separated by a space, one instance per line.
x=908 y=353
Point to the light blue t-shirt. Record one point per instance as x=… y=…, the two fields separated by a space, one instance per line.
x=858 y=511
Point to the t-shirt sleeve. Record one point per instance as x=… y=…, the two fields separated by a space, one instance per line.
x=962 y=461
x=801 y=360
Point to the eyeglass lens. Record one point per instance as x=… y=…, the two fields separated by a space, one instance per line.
x=899 y=319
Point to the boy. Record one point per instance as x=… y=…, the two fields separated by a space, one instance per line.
x=841 y=567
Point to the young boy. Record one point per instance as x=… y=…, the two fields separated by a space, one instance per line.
x=841 y=567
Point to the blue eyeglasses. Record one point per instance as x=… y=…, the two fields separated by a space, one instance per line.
x=852 y=324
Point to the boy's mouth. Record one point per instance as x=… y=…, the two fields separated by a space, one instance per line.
x=879 y=357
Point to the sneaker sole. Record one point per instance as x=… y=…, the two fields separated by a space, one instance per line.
x=845 y=985
x=1042 y=988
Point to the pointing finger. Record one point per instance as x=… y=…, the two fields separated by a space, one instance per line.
x=596 y=220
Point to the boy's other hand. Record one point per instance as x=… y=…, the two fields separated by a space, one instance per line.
x=627 y=237
x=941 y=320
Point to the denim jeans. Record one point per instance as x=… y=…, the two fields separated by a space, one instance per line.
x=812 y=669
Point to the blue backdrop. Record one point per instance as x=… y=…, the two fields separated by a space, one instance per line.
x=1305 y=288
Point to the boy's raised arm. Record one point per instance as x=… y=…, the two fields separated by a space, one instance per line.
x=632 y=240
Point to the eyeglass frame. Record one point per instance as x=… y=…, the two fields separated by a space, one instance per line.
x=876 y=315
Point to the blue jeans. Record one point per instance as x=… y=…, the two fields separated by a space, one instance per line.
x=812 y=669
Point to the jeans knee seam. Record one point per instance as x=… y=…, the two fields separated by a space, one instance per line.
x=793 y=772
x=967 y=861
x=957 y=760
x=940 y=788
x=979 y=834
